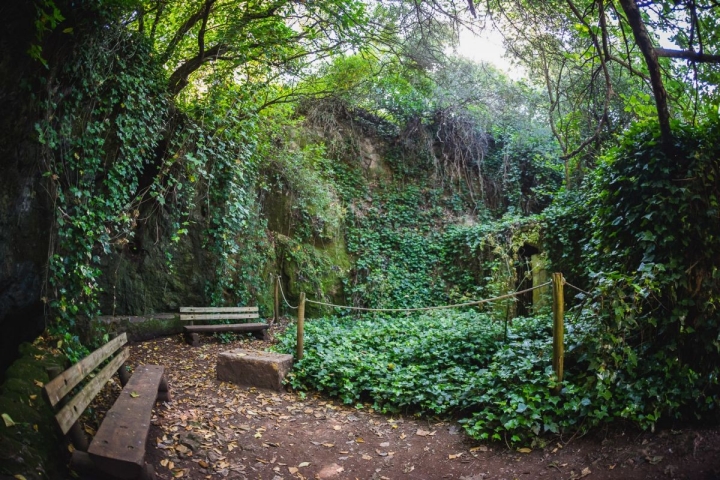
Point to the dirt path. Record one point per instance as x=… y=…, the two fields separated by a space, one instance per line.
x=218 y=430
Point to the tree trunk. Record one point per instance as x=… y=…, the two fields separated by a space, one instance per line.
x=651 y=60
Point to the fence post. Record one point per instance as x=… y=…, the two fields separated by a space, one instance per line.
x=301 y=326
x=558 y=328
x=277 y=299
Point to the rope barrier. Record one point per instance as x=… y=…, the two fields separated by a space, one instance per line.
x=283 y=294
x=576 y=288
x=442 y=307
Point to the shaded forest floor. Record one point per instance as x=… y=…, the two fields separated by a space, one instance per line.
x=215 y=429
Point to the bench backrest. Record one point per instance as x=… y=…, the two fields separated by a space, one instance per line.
x=59 y=387
x=217 y=313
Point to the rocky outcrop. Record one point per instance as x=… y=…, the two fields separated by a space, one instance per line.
x=24 y=214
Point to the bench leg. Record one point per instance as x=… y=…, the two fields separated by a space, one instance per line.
x=124 y=374
x=164 y=391
x=193 y=339
x=261 y=335
x=148 y=473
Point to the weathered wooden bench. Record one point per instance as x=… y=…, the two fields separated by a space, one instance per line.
x=193 y=314
x=117 y=451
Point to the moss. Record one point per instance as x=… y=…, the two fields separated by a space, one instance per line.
x=334 y=255
x=32 y=447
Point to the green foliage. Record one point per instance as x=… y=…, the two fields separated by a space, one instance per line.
x=444 y=363
x=656 y=239
x=643 y=236
x=99 y=137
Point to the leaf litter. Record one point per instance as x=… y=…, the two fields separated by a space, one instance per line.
x=215 y=429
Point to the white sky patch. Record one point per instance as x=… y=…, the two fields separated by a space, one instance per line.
x=487 y=47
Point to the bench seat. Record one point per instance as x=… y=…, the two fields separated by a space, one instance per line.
x=192 y=314
x=118 y=447
x=238 y=327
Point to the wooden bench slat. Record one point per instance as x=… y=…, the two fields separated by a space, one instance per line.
x=119 y=444
x=217 y=309
x=241 y=327
x=224 y=316
x=75 y=407
x=58 y=387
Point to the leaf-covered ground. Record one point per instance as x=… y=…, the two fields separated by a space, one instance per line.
x=214 y=429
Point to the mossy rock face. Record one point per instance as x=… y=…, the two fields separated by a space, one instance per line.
x=32 y=447
x=334 y=255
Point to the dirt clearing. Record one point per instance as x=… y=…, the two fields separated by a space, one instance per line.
x=214 y=429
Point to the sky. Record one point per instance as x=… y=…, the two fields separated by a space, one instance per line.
x=487 y=47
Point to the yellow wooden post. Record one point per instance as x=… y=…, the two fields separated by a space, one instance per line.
x=301 y=326
x=558 y=328
x=277 y=299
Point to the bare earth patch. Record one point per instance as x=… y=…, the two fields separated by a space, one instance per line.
x=214 y=429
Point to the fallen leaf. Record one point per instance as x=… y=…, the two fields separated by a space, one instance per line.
x=655 y=460
x=585 y=472
x=424 y=433
x=457 y=455
x=328 y=445
x=33 y=397
x=359 y=440
x=203 y=464
x=134 y=394
x=366 y=457
x=337 y=427
x=164 y=462
x=481 y=448
x=19 y=477
x=385 y=444
x=38 y=383
x=524 y=450
x=292 y=470
x=90 y=431
x=382 y=454
x=304 y=464
x=8 y=421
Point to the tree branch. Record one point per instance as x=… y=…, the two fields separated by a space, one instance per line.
x=687 y=55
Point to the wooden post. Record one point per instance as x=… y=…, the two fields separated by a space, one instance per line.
x=301 y=326
x=277 y=298
x=558 y=328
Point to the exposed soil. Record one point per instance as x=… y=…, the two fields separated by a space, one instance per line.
x=214 y=429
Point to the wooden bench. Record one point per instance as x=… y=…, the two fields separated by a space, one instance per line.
x=193 y=314
x=117 y=450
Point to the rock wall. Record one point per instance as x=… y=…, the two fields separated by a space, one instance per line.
x=25 y=216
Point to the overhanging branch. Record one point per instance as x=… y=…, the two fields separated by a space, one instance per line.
x=687 y=55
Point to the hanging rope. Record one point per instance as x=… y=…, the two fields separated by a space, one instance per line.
x=283 y=293
x=442 y=307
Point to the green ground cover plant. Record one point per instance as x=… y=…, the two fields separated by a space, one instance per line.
x=445 y=363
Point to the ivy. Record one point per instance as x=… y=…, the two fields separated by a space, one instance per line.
x=99 y=137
